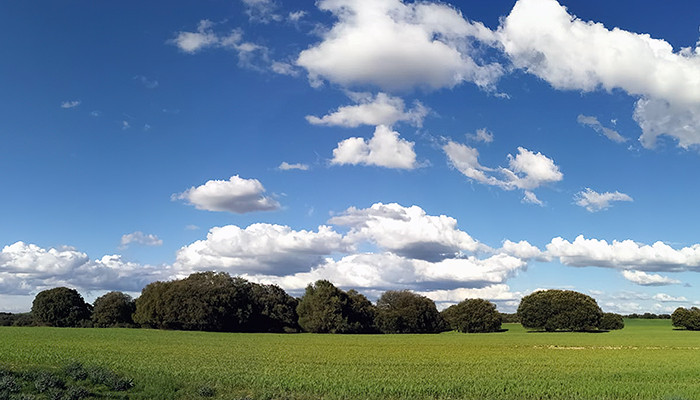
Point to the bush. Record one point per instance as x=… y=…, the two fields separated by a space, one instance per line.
x=686 y=318
x=407 y=312
x=473 y=316
x=326 y=309
x=62 y=307
x=611 y=321
x=553 y=310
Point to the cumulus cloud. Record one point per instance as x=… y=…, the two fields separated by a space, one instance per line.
x=592 y=122
x=384 y=149
x=407 y=231
x=140 y=238
x=260 y=248
x=541 y=37
x=481 y=135
x=236 y=195
x=665 y=298
x=381 y=109
x=395 y=46
x=285 y=166
x=594 y=201
x=27 y=268
x=521 y=249
x=499 y=293
x=625 y=254
x=70 y=104
x=526 y=170
x=645 y=279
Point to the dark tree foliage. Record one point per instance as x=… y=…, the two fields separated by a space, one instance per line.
x=648 y=315
x=113 y=309
x=326 y=309
x=473 y=316
x=686 y=318
x=407 y=312
x=611 y=321
x=62 y=307
x=211 y=301
x=273 y=310
x=7 y=319
x=554 y=310
x=510 y=318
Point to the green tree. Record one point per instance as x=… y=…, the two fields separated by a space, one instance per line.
x=113 y=309
x=473 y=316
x=686 y=318
x=273 y=310
x=326 y=309
x=611 y=321
x=61 y=306
x=402 y=311
x=553 y=310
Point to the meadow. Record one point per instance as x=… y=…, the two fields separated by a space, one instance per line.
x=646 y=360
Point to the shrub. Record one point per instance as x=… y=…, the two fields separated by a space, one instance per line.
x=611 y=321
x=553 y=310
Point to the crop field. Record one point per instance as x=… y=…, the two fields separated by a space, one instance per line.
x=646 y=360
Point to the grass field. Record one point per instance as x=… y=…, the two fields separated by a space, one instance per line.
x=646 y=360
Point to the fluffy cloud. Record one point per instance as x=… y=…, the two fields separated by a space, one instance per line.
x=541 y=37
x=497 y=293
x=263 y=11
x=625 y=254
x=237 y=195
x=594 y=201
x=665 y=298
x=381 y=109
x=482 y=135
x=285 y=166
x=70 y=104
x=407 y=231
x=140 y=238
x=384 y=149
x=395 y=46
x=645 y=279
x=521 y=249
x=592 y=122
x=27 y=268
x=526 y=171
x=260 y=248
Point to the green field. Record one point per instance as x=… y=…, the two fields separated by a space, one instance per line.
x=646 y=360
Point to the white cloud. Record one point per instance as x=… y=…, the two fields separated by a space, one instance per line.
x=285 y=166
x=482 y=135
x=541 y=37
x=645 y=279
x=192 y=42
x=140 y=238
x=259 y=248
x=237 y=195
x=498 y=292
x=284 y=68
x=384 y=149
x=592 y=122
x=296 y=16
x=665 y=298
x=594 y=201
x=381 y=109
x=263 y=11
x=625 y=254
x=125 y=125
x=70 y=104
x=397 y=46
x=28 y=268
x=521 y=249
x=407 y=231
x=526 y=171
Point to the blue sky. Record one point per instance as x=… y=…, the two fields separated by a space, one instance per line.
x=463 y=149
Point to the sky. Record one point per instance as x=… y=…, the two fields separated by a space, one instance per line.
x=455 y=149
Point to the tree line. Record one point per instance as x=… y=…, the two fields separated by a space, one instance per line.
x=210 y=301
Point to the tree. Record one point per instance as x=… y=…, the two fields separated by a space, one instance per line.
x=61 y=306
x=611 y=321
x=686 y=318
x=113 y=309
x=406 y=312
x=553 y=310
x=473 y=316
x=326 y=309
x=273 y=310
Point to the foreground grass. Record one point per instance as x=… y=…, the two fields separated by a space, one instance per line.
x=646 y=360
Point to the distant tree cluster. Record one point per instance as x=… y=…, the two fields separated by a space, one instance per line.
x=688 y=318
x=564 y=310
x=648 y=315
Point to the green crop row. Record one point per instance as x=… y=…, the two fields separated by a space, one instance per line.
x=646 y=360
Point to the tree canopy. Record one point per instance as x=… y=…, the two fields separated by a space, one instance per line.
x=326 y=309
x=686 y=318
x=473 y=316
x=406 y=312
x=611 y=321
x=113 y=309
x=553 y=310
x=61 y=307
